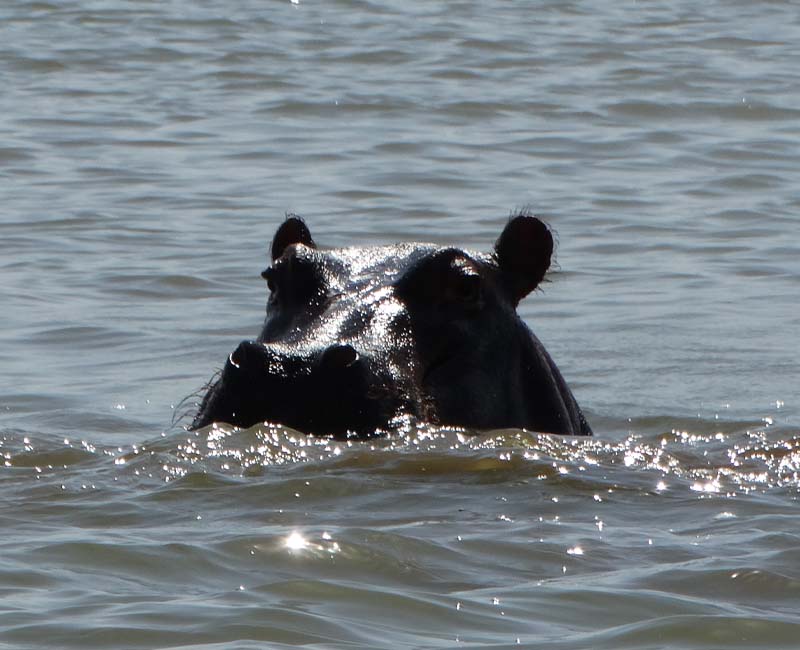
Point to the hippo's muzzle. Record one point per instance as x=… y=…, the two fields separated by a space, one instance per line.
x=333 y=391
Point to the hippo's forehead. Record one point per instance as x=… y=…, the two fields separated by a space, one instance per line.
x=357 y=269
x=362 y=304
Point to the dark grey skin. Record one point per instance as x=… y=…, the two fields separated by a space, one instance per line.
x=358 y=339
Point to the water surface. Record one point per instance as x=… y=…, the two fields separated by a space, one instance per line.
x=148 y=152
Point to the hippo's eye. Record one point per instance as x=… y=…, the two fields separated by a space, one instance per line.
x=294 y=281
x=447 y=279
x=466 y=288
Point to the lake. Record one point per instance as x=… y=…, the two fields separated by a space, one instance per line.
x=148 y=152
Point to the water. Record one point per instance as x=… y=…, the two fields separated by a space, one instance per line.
x=148 y=152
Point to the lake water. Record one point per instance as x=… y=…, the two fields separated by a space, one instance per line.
x=149 y=150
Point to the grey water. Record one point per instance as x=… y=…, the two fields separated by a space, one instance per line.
x=148 y=150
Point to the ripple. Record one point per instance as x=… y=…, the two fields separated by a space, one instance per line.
x=151 y=149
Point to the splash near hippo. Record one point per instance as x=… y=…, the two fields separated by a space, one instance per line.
x=356 y=339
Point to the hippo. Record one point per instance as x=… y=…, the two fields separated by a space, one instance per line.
x=358 y=339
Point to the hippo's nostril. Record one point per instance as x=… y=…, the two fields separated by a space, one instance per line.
x=338 y=356
x=239 y=356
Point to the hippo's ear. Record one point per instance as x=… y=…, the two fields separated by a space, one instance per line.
x=523 y=252
x=291 y=231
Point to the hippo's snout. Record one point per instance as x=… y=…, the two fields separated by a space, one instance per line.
x=327 y=392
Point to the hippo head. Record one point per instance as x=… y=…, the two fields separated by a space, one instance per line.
x=357 y=338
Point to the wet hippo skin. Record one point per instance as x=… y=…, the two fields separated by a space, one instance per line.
x=358 y=339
